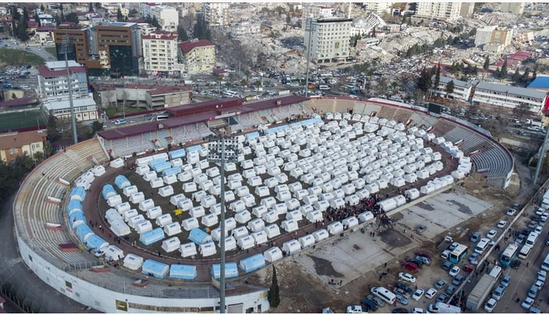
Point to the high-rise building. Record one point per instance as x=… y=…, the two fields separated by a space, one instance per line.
x=512 y=7
x=167 y=17
x=160 y=53
x=78 y=48
x=501 y=36
x=216 y=13
x=119 y=48
x=484 y=35
x=467 y=9
x=198 y=56
x=439 y=10
x=329 y=39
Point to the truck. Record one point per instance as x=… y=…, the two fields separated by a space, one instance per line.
x=476 y=298
x=440 y=307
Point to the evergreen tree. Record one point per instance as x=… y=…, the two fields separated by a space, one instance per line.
x=90 y=7
x=497 y=73
x=486 y=65
x=516 y=75
x=182 y=34
x=42 y=9
x=424 y=82
x=119 y=16
x=504 y=70
x=274 y=291
x=535 y=73
x=37 y=19
x=437 y=77
x=525 y=76
x=450 y=88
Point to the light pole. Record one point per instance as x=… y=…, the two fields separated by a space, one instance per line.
x=310 y=28
x=222 y=150
x=65 y=48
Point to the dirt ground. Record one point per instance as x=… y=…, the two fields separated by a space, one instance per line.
x=303 y=292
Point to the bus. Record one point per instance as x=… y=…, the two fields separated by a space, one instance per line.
x=545 y=263
x=509 y=254
x=458 y=254
x=524 y=251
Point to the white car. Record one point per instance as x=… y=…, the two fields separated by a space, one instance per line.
x=454 y=271
x=539 y=229
x=354 y=309
x=406 y=277
x=491 y=234
x=418 y=294
x=489 y=306
x=418 y=310
x=430 y=293
x=501 y=224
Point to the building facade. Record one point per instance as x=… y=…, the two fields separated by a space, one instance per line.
x=216 y=13
x=484 y=35
x=329 y=38
x=439 y=10
x=508 y=97
x=78 y=41
x=501 y=36
x=198 y=56
x=462 y=90
x=378 y=7
x=25 y=143
x=160 y=54
x=119 y=48
x=167 y=17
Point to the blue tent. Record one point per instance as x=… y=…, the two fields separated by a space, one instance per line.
x=152 y=163
x=194 y=148
x=176 y=153
x=154 y=268
x=83 y=231
x=252 y=263
x=276 y=129
x=74 y=206
x=231 y=270
x=198 y=236
x=152 y=236
x=76 y=219
x=78 y=193
x=161 y=166
x=171 y=171
x=121 y=182
x=108 y=191
x=96 y=242
x=186 y=272
x=252 y=135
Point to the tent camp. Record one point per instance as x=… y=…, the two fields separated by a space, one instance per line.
x=78 y=193
x=335 y=228
x=231 y=270
x=152 y=236
x=74 y=206
x=252 y=263
x=155 y=269
x=171 y=244
x=188 y=249
x=120 y=228
x=198 y=236
x=113 y=252
x=291 y=247
x=185 y=272
x=129 y=190
x=272 y=231
x=143 y=227
x=320 y=235
x=172 y=229
x=133 y=262
x=121 y=182
x=207 y=249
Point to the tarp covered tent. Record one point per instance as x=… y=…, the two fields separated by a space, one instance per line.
x=113 y=252
x=83 y=232
x=172 y=229
x=207 y=249
x=133 y=262
x=143 y=227
x=198 y=236
x=185 y=272
x=171 y=244
x=335 y=228
x=320 y=235
x=120 y=228
x=108 y=191
x=76 y=219
x=231 y=270
x=252 y=263
x=152 y=236
x=95 y=242
x=179 y=153
x=155 y=269
x=121 y=182
x=291 y=247
x=74 y=206
x=188 y=249
x=78 y=193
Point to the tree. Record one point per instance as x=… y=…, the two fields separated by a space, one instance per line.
x=274 y=291
x=42 y=9
x=182 y=34
x=51 y=129
x=247 y=74
x=424 y=82
x=437 y=77
x=516 y=76
x=450 y=88
x=504 y=70
x=119 y=16
x=486 y=65
x=90 y=7
x=525 y=76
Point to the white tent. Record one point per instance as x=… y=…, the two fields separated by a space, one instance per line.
x=133 y=221
x=458 y=174
x=239 y=232
x=133 y=262
x=172 y=229
x=305 y=209
x=272 y=231
x=283 y=195
x=122 y=207
x=170 y=179
x=237 y=206
x=198 y=195
x=246 y=242
x=146 y=204
x=249 y=200
x=259 y=211
x=185 y=204
x=164 y=220
x=410 y=178
x=273 y=254
x=292 y=204
x=190 y=223
x=337 y=203
x=363 y=193
x=184 y=176
x=291 y=247
x=137 y=197
x=150 y=176
x=142 y=170
x=206 y=185
x=366 y=217
x=112 y=215
x=189 y=187
x=412 y=193
x=260 y=237
x=166 y=191
x=98 y=170
x=289 y=225
x=117 y=163
x=320 y=235
x=209 y=220
x=207 y=249
x=427 y=189
x=280 y=208
x=197 y=212
x=171 y=244
x=306 y=241
x=128 y=191
x=352 y=200
x=113 y=252
x=188 y=249
x=294 y=215
x=154 y=212
x=256 y=225
x=400 y=200
x=157 y=183
x=387 y=204
x=230 y=243
x=143 y=227
x=243 y=216
x=350 y=222
x=120 y=228
x=130 y=214
x=262 y=191
x=268 y=202
x=372 y=188
x=398 y=181
x=335 y=228
x=314 y=216
x=321 y=205
x=114 y=200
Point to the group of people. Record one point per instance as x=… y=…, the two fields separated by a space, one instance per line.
x=366 y=204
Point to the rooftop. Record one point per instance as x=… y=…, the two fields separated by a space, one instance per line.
x=540 y=82
x=18 y=139
x=192 y=44
x=513 y=90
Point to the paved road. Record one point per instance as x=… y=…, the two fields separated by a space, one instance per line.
x=16 y=272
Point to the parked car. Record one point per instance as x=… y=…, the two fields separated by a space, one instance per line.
x=515 y=264
x=542 y=275
x=511 y=211
x=527 y=303
x=370 y=305
x=424 y=254
x=442 y=298
x=490 y=305
x=491 y=234
x=404 y=287
x=502 y=224
x=533 y=291
x=457 y=280
x=407 y=277
x=505 y=281
x=420 y=229
x=418 y=310
x=418 y=262
x=410 y=266
x=475 y=236
x=440 y=284
x=454 y=271
x=379 y=302
x=354 y=309
x=453 y=246
x=447 y=265
x=430 y=293
x=418 y=294
x=520 y=239
x=425 y=260
x=402 y=300
x=400 y=310
x=473 y=259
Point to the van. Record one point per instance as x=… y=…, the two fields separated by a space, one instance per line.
x=384 y=294
x=440 y=307
x=496 y=272
x=445 y=254
x=482 y=244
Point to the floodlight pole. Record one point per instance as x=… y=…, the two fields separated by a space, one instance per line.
x=65 y=50
x=310 y=28
x=218 y=154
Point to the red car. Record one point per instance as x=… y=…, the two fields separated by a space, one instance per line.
x=410 y=266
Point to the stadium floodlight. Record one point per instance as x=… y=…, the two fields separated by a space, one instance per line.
x=65 y=49
x=221 y=150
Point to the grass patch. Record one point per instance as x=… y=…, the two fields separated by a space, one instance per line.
x=19 y=120
x=15 y=57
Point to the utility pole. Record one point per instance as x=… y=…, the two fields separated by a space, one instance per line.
x=65 y=49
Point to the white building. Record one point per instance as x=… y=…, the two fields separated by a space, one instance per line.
x=245 y=28
x=216 y=13
x=484 y=35
x=167 y=17
x=363 y=26
x=53 y=88
x=508 y=97
x=378 y=7
x=160 y=53
x=439 y=10
x=462 y=89
x=329 y=38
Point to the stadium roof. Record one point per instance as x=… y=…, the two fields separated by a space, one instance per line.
x=540 y=82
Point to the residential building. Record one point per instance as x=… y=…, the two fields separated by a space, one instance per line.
x=462 y=90
x=363 y=26
x=198 y=56
x=44 y=34
x=216 y=13
x=54 y=90
x=439 y=10
x=378 y=7
x=329 y=38
x=245 y=28
x=119 y=48
x=46 y=20
x=160 y=53
x=484 y=35
x=501 y=36
x=167 y=17
x=512 y=7
x=24 y=143
x=526 y=37
x=504 y=97
x=467 y=10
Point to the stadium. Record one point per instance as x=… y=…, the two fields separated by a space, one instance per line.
x=146 y=199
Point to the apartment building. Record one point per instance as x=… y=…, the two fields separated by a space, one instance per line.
x=216 y=13
x=501 y=36
x=378 y=7
x=24 y=143
x=198 y=56
x=329 y=38
x=439 y=10
x=462 y=90
x=160 y=53
x=167 y=17
x=119 y=48
x=504 y=97
x=512 y=7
